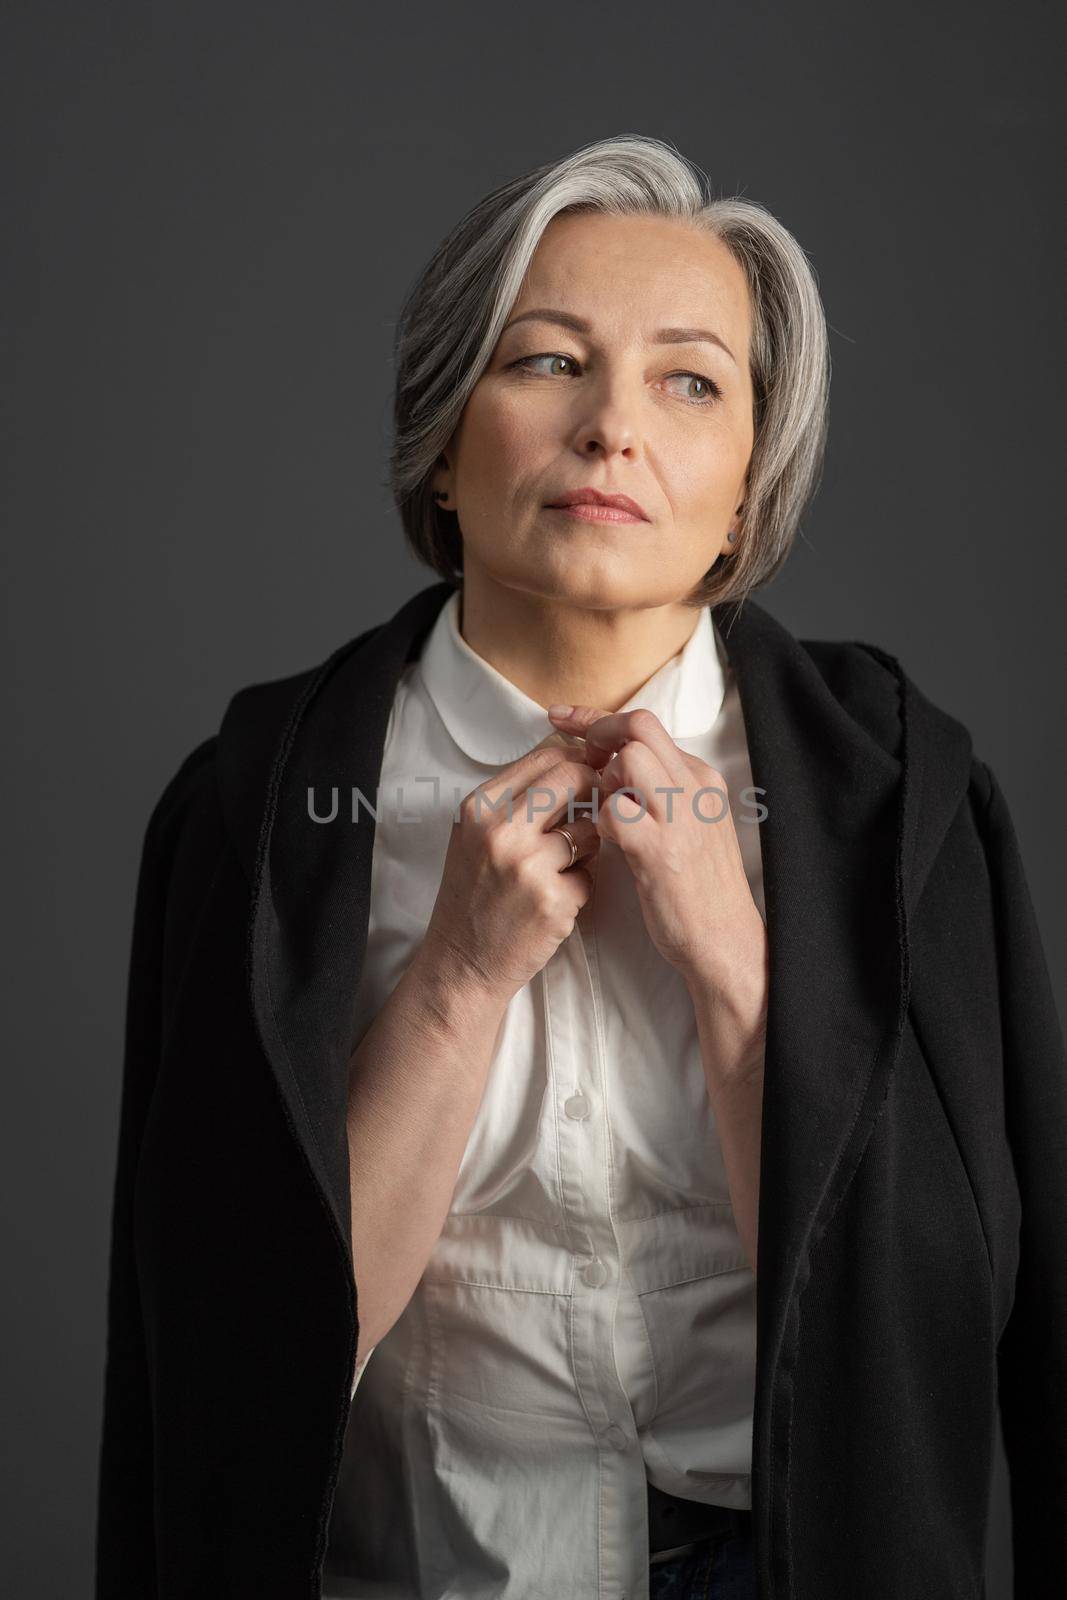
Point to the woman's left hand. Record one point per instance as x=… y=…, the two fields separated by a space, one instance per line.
x=683 y=852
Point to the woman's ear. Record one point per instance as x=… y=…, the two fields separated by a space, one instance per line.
x=441 y=483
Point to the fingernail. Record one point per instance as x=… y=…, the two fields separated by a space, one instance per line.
x=560 y=711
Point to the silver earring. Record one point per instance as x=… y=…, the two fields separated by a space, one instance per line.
x=731 y=536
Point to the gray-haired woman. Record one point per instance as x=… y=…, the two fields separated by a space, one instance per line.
x=669 y=1178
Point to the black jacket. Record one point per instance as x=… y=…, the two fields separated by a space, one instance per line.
x=913 y=1207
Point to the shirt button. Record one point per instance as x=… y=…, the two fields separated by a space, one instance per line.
x=577 y=1106
x=595 y=1273
x=615 y=1435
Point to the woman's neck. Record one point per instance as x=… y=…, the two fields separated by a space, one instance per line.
x=559 y=652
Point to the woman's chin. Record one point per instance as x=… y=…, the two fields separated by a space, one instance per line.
x=601 y=586
x=589 y=573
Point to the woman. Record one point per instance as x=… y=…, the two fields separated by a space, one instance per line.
x=593 y=1104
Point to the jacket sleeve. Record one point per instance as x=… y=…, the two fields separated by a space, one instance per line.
x=1032 y=1355
x=125 y=1543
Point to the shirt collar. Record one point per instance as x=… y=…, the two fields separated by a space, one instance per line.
x=494 y=722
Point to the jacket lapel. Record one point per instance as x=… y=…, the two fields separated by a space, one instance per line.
x=846 y=751
x=311 y=880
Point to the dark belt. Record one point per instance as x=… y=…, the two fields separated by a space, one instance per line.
x=674 y=1521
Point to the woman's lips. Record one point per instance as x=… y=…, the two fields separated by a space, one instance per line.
x=595 y=513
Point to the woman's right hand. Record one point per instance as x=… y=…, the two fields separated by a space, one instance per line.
x=507 y=899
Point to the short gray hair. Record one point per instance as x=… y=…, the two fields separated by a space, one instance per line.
x=452 y=318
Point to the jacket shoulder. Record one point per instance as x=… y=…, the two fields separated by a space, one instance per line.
x=871 y=684
x=867 y=683
x=184 y=791
x=258 y=714
x=250 y=728
x=259 y=722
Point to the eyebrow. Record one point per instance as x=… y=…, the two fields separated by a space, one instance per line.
x=661 y=336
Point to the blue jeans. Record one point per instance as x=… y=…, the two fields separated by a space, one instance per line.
x=719 y=1568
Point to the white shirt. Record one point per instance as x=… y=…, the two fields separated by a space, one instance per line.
x=587 y=1316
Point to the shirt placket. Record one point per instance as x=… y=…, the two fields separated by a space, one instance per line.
x=575 y=1036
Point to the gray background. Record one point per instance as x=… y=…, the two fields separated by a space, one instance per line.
x=216 y=210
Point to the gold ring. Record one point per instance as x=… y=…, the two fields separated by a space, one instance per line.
x=574 y=847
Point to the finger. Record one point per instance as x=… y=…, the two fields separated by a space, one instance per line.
x=607 y=732
x=583 y=831
x=638 y=768
x=575 y=720
x=586 y=839
x=558 y=793
x=529 y=768
x=624 y=822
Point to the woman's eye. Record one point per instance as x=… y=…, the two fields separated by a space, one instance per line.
x=526 y=362
x=711 y=389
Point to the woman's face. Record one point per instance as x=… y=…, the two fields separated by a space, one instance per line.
x=619 y=383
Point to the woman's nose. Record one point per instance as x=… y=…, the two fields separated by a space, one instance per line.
x=608 y=422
